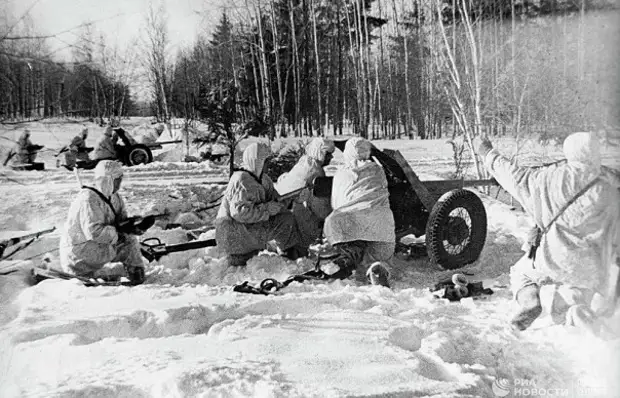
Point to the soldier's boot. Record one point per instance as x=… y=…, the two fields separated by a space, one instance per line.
x=378 y=274
x=530 y=308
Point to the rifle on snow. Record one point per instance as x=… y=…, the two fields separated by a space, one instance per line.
x=12 y=241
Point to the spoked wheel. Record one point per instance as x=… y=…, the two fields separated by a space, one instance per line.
x=139 y=154
x=456 y=229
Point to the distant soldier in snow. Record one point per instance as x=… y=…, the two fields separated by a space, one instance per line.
x=77 y=149
x=150 y=136
x=575 y=205
x=26 y=151
x=310 y=211
x=105 y=148
x=250 y=215
x=361 y=225
x=92 y=237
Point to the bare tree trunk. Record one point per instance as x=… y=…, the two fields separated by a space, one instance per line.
x=276 y=45
x=409 y=116
x=255 y=74
x=296 y=70
x=156 y=58
x=318 y=70
x=265 y=71
x=459 y=91
x=353 y=44
x=339 y=105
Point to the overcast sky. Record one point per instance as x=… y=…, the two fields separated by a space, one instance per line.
x=121 y=20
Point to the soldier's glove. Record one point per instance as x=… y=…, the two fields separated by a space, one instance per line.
x=135 y=274
x=485 y=147
x=136 y=225
x=146 y=223
x=126 y=227
x=274 y=208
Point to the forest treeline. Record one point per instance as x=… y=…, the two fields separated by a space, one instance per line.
x=377 y=68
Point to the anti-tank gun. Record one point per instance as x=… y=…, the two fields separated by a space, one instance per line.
x=452 y=219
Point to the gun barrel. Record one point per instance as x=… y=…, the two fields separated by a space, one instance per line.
x=291 y=194
x=196 y=244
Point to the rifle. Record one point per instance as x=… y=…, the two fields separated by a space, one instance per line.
x=66 y=148
x=9 y=157
x=137 y=225
x=156 y=250
x=62 y=150
x=12 y=241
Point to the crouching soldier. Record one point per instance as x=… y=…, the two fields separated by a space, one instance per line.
x=250 y=215
x=361 y=225
x=26 y=150
x=105 y=148
x=91 y=239
x=77 y=150
x=309 y=211
x=575 y=207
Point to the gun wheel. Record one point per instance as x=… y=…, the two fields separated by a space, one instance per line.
x=456 y=229
x=139 y=154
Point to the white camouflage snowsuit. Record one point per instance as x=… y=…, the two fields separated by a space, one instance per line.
x=149 y=137
x=581 y=245
x=360 y=202
x=249 y=217
x=104 y=148
x=25 y=154
x=310 y=211
x=90 y=239
x=77 y=149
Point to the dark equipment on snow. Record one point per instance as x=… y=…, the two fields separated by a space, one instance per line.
x=456 y=291
x=452 y=218
x=153 y=249
x=458 y=287
x=129 y=154
x=4 y=244
x=271 y=285
x=25 y=166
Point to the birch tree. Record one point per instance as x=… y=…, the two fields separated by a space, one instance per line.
x=156 y=58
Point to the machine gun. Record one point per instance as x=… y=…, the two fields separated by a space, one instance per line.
x=13 y=241
x=152 y=249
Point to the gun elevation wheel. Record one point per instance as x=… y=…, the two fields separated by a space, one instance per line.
x=456 y=229
x=138 y=154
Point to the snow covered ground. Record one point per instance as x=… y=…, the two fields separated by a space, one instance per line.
x=185 y=333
